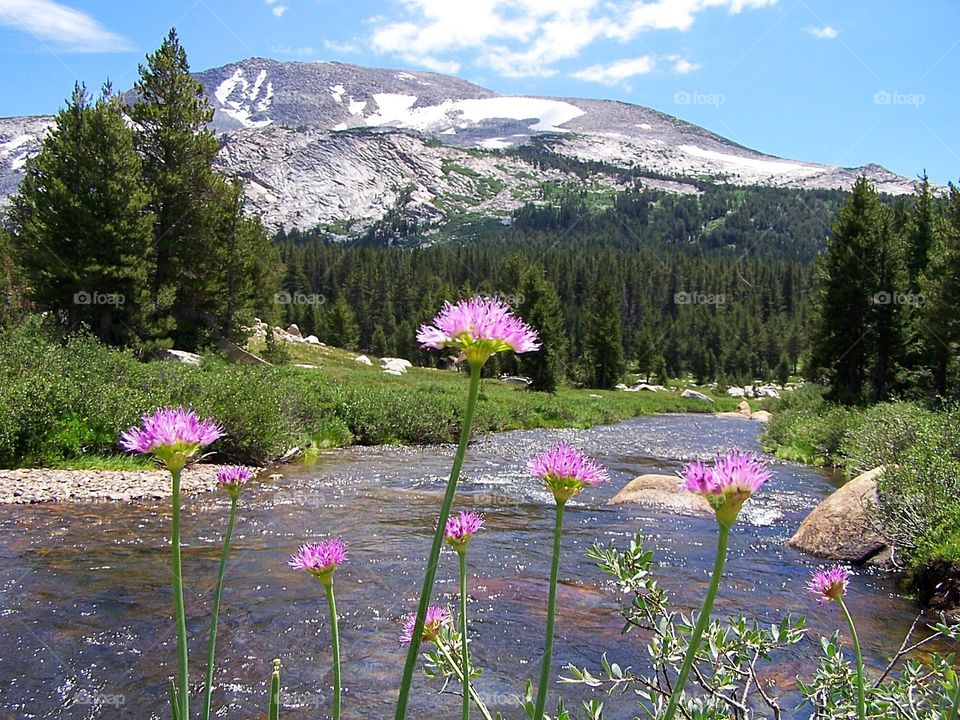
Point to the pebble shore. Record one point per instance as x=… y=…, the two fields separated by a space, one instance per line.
x=36 y=485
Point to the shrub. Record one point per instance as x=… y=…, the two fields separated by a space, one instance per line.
x=883 y=433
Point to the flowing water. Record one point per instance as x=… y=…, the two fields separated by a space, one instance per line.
x=85 y=628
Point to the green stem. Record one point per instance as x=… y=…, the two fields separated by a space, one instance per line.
x=551 y=611
x=463 y=635
x=183 y=688
x=431 y=571
x=273 y=709
x=459 y=673
x=955 y=710
x=335 y=632
x=861 y=697
x=215 y=610
x=702 y=620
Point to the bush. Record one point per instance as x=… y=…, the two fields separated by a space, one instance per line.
x=806 y=428
x=884 y=432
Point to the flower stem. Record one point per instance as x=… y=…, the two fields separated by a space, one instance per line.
x=861 y=699
x=955 y=710
x=702 y=620
x=183 y=688
x=431 y=571
x=215 y=610
x=551 y=611
x=335 y=632
x=463 y=635
x=459 y=673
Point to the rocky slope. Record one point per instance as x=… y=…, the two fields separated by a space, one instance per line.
x=328 y=143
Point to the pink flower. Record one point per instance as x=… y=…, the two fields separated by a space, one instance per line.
x=436 y=619
x=733 y=478
x=461 y=527
x=232 y=478
x=566 y=471
x=829 y=584
x=479 y=327
x=320 y=559
x=172 y=434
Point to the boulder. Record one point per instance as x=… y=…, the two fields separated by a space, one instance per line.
x=183 y=356
x=363 y=360
x=695 y=395
x=395 y=373
x=294 y=330
x=620 y=386
x=839 y=528
x=312 y=340
x=743 y=407
x=736 y=392
x=768 y=391
x=761 y=416
x=662 y=491
x=515 y=380
x=648 y=388
x=734 y=415
x=396 y=365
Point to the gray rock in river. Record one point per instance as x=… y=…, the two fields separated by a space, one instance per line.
x=662 y=491
x=839 y=528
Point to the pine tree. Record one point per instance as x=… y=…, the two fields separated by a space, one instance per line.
x=11 y=287
x=81 y=224
x=540 y=307
x=342 y=329
x=604 y=344
x=940 y=285
x=848 y=293
x=204 y=249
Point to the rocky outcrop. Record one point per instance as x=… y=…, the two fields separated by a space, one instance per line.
x=661 y=491
x=839 y=528
x=696 y=395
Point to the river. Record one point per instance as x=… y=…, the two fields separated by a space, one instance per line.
x=85 y=629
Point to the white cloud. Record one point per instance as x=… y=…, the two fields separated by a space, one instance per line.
x=616 y=72
x=824 y=33
x=518 y=38
x=681 y=65
x=347 y=48
x=279 y=10
x=70 y=30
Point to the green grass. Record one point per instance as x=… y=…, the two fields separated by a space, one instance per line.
x=64 y=403
x=102 y=462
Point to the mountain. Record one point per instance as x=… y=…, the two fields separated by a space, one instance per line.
x=342 y=145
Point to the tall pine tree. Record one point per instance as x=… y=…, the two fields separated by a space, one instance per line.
x=604 y=357
x=81 y=222
x=540 y=307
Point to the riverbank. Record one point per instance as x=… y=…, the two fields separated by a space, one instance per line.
x=36 y=485
x=68 y=401
x=917 y=506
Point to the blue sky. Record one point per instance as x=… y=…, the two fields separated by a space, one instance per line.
x=844 y=83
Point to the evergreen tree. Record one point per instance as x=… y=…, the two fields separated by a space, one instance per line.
x=940 y=285
x=81 y=224
x=11 y=289
x=342 y=328
x=203 y=248
x=540 y=307
x=847 y=295
x=604 y=344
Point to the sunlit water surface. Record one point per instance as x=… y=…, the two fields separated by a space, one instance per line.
x=85 y=627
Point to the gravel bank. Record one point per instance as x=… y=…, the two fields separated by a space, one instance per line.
x=39 y=485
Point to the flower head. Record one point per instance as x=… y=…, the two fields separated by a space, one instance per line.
x=733 y=478
x=460 y=528
x=566 y=471
x=479 y=327
x=172 y=434
x=829 y=584
x=232 y=478
x=320 y=559
x=436 y=619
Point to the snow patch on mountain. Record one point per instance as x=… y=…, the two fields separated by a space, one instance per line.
x=241 y=101
x=754 y=164
x=337 y=92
